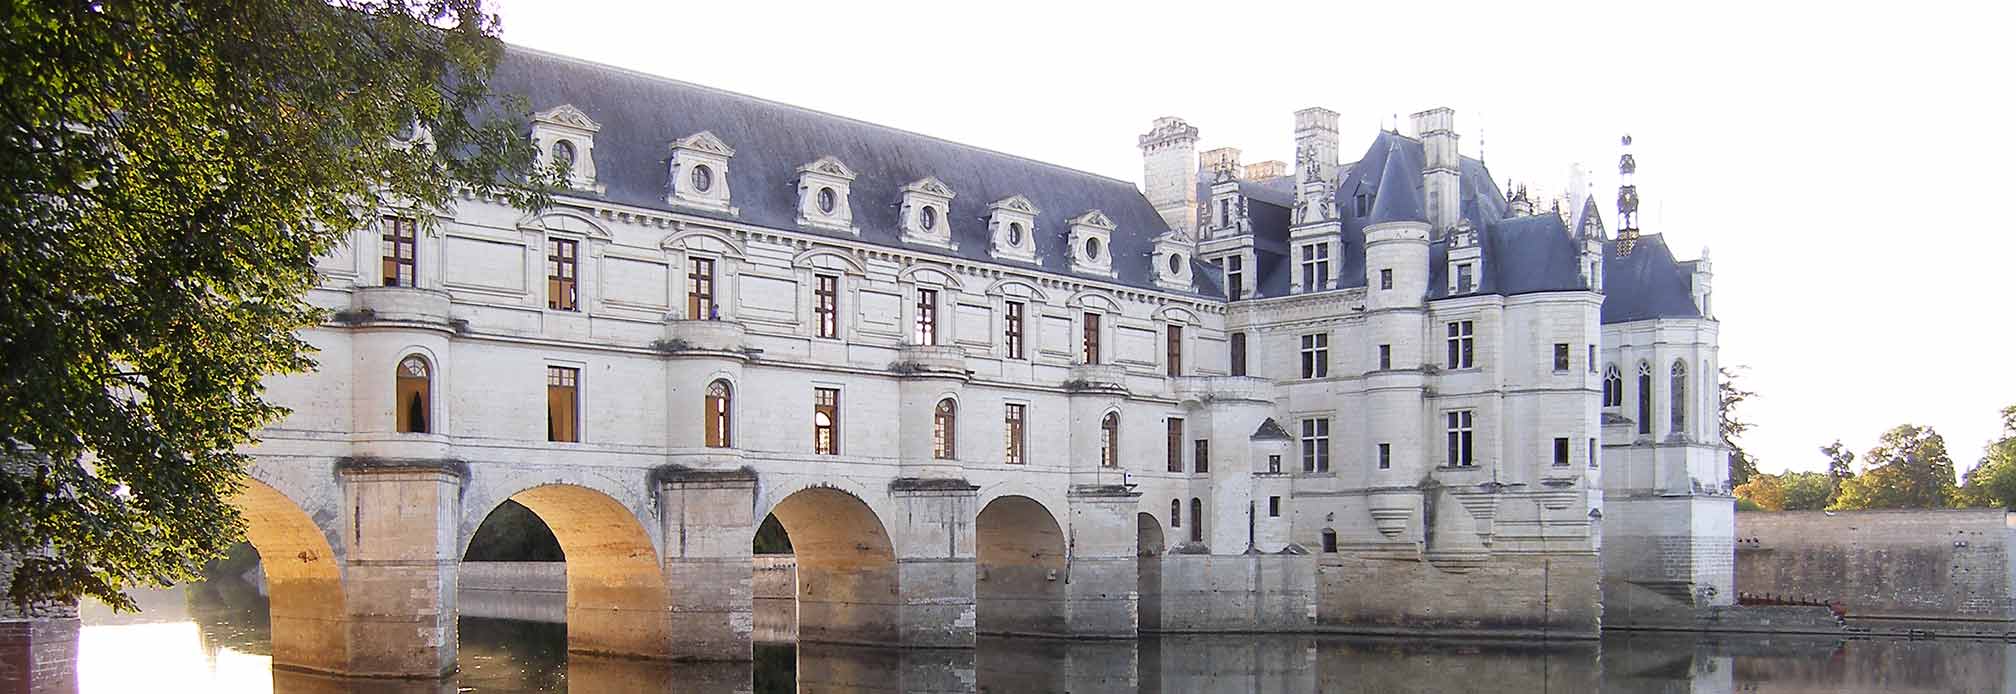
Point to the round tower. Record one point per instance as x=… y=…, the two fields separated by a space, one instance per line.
x=1396 y=267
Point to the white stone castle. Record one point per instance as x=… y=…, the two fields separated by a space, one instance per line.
x=984 y=393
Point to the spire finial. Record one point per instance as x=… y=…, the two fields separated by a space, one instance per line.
x=1627 y=200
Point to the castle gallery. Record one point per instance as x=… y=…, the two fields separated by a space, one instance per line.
x=1369 y=390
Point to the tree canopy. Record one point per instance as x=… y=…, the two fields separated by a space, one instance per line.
x=1741 y=465
x=169 y=171
x=1992 y=482
x=1908 y=468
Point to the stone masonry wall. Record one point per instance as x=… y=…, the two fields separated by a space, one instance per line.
x=1918 y=564
x=1539 y=595
x=1255 y=592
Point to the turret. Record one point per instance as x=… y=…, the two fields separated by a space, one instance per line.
x=1169 y=172
x=1396 y=239
x=1396 y=268
x=1703 y=285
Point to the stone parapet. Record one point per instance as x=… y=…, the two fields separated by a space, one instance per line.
x=704 y=336
x=397 y=304
x=1209 y=388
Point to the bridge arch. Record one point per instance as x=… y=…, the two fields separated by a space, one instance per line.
x=617 y=599
x=304 y=579
x=847 y=588
x=1149 y=549
x=1019 y=568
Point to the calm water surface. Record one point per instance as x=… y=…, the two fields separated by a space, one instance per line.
x=213 y=638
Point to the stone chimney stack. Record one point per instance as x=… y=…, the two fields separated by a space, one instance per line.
x=1263 y=170
x=1441 y=170
x=1169 y=172
x=1316 y=145
x=1221 y=160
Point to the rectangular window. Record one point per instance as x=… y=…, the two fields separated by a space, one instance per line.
x=1273 y=507
x=700 y=289
x=1175 y=350
x=1012 y=422
x=1316 y=355
x=1560 y=356
x=1385 y=356
x=1235 y=277
x=1592 y=454
x=927 y=317
x=826 y=305
x=1014 y=335
x=1238 y=354
x=561 y=274
x=826 y=421
x=1175 y=451
x=1315 y=266
x=1202 y=454
x=1592 y=359
x=1465 y=278
x=1459 y=429
x=1385 y=456
x=1386 y=279
x=1560 y=451
x=1224 y=212
x=1316 y=444
x=400 y=248
x=563 y=404
x=1364 y=204
x=1091 y=353
x=1462 y=345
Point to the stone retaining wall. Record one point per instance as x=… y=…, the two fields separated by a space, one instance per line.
x=1918 y=564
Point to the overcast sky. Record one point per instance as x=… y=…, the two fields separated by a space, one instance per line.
x=1849 y=167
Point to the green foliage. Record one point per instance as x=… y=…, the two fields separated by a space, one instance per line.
x=1992 y=482
x=771 y=538
x=1806 y=491
x=513 y=533
x=1741 y=465
x=1743 y=504
x=1908 y=468
x=1763 y=492
x=168 y=173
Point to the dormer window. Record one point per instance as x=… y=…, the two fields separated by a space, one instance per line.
x=698 y=172
x=1172 y=261
x=566 y=136
x=1011 y=226
x=1091 y=236
x=822 y=195
x=1466 y=265
x=925 y=213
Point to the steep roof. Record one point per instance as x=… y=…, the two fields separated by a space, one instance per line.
x=1649 y=283
x=1396 y=200
x=641 y=114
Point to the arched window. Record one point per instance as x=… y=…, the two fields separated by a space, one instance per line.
x=1613 y=387
x=414 y=384
x=720 y=430
x=1196 y=520
x=945 y=430
x=1175 y=513
x=1679 y=397
x=1109 y=440
x=563 y=154
x=1644 y=398
x=1329 y=541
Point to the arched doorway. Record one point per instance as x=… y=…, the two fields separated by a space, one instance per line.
x=1148 y=567
x=304 y=584
x=1019 y=569
x=847 y=588
x=617 y=602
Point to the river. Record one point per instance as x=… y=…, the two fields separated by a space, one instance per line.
x=213 y=638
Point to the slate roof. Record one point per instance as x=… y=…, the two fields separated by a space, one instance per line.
x=641 y=114
x=1521 y=255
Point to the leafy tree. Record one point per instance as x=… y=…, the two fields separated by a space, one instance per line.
x=1741 y=465
x=1840 y=467
x=1908 y=468
x=1992 y=482
x=169 y=171
x=1763 y=491
x=1806 y=491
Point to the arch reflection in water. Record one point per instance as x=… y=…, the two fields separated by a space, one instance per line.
x=217 y=632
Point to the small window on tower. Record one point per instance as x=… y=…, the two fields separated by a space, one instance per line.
x=1560 y=356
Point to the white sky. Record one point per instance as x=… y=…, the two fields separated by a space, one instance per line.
x=1828 y=152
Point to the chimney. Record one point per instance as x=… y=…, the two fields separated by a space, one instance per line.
x=1440 y=169
x=1263 y=170
x=1169 y=172
x=1316 y=145
x=1222 y=160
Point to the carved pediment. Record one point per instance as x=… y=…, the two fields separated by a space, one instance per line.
x=1018 y=204
x=830 y=167
x=1093 y=218
x=930 y=185
x=569 y=116
x=704 y=141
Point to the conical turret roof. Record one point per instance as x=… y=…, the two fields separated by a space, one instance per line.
x=1397 y=201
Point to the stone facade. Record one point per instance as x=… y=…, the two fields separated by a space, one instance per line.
x=981 y=394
